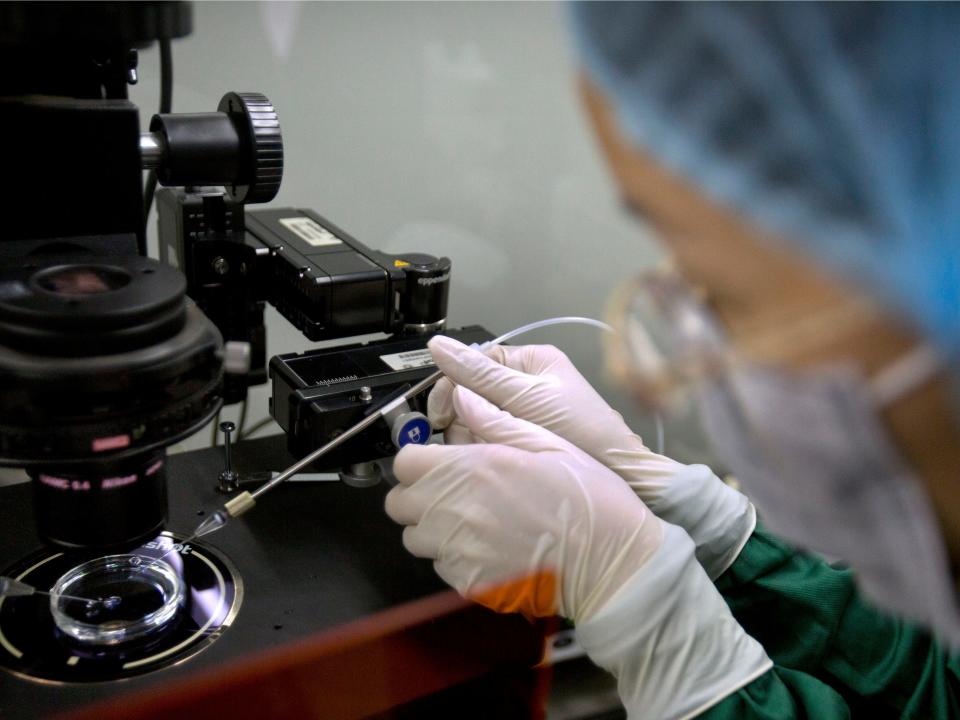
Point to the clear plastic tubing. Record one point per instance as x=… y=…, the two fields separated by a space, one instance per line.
x=565 y=320
x=570 y=320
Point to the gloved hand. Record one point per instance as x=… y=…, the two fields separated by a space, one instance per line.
x=524 y=504
x=538 y=383
x=527 y=522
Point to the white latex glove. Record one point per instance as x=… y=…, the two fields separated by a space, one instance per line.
x=527 y=522
x=533 y=506
x=538 y=383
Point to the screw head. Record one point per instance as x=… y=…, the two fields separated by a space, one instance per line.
x=229 y=482
x=220 y=265
x=227 y=427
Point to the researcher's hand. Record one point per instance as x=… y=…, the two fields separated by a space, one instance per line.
x=524 y=521
x=538 y=383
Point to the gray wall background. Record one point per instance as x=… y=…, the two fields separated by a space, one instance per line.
x=451 y=128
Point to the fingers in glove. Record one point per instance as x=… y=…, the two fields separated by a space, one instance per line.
x=527 y=359
x=415 y=461
x=403 y=507
x=471 y=368
x=531 y=359
x=420 y=542
x=490 y=424
x=440 y=404
x=459 y=434
x=425 y=478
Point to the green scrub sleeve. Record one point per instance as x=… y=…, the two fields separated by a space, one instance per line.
x=834 y=655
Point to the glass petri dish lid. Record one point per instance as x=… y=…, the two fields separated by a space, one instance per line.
x=116 y=599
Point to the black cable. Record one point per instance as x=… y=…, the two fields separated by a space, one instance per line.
x=166 y=105
x=166 y=76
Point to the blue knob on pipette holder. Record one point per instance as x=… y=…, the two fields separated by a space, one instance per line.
x=411 y=428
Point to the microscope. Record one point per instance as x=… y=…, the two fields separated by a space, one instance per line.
x=108 y=357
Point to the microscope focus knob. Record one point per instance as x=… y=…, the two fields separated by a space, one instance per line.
x=258 y=125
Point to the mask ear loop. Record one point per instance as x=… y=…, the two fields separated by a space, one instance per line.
x=904 y=375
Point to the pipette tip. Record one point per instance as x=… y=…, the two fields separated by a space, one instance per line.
x=215 y=521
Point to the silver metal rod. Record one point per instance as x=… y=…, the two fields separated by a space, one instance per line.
x=428 y=382
x=226 y=428
x=369 y=420
x=152 y=150
x=316 y=454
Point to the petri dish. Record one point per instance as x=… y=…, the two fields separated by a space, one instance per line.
x=129 y=598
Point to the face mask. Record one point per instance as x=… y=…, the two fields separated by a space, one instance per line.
x=808 y=448
x=813 y=456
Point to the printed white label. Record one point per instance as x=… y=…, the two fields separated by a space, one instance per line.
x=311 y=231
x=408 y=360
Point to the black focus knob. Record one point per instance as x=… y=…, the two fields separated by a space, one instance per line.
x=239 y=146
x=261 y=163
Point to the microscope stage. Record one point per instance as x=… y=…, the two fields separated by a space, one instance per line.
x=33 y=647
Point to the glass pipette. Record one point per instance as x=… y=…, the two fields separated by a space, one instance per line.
x=11 y=587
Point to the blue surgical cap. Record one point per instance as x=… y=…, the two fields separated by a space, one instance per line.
x=837 y=126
